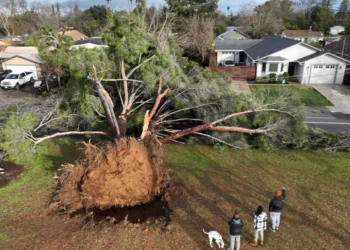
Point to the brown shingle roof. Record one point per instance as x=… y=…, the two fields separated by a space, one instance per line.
x=76 y=35
x=302 y=33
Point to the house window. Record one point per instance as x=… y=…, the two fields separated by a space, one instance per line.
x=316 y=66
x=327 y=66
x=320 y=66
x=332 y=66
x=282 y=66
x=264 y=67
x=273 y=67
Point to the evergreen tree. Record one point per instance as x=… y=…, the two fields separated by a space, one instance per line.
x=343 y=12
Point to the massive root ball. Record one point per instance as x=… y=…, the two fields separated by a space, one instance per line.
x=126 y=173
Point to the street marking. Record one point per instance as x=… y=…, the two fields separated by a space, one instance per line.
x=310 y=117
x=337 y=123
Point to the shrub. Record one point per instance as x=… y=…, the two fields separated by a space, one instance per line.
x=273 y=77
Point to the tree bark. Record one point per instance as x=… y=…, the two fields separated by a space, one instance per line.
x=213 y=128
x=149 y=115
x=37 y=141
x=108 y=107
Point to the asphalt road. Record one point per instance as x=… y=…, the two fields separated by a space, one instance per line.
x=331 y=122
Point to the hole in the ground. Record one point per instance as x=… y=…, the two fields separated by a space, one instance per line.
x=9 y=171
x=155 y=210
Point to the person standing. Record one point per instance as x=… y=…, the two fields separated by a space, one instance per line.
x=236 y=225
x=259 y=224
x=275 y=209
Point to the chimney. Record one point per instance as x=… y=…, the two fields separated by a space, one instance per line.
x=310 y=29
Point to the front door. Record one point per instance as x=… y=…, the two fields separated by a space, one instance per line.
x=291 y=68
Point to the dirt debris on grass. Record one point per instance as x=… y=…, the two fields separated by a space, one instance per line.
x=9 y=171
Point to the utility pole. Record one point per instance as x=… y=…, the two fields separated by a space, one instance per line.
x=342 y=53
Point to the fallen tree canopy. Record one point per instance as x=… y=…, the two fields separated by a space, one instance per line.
x=126 y=173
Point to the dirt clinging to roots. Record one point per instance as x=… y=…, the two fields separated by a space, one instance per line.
x=125 y=173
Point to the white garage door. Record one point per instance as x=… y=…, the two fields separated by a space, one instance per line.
x=227 y=56
x=323 y=73
x=21 y=68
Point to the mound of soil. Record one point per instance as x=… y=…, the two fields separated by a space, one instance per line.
x=9 y=171
x=125 y=173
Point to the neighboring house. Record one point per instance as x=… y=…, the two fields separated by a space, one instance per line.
x=304 y=35
x=232 y=33
x=233 y=50
x=89 y=43
x=278 y=55
x=74 y=34
x=335 y=30
x=21 y=59
x=340 y=48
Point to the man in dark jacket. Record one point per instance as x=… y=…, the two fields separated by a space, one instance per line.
x=275 y=209
x=236 y=225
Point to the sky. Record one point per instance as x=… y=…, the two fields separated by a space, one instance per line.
x=235 y=6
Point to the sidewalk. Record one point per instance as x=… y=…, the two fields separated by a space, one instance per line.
x=338 y=94
x=240 y=87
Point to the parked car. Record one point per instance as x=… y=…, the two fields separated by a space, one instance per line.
x=15 y=80
x=229 y=63
x=40 y=85
x=4 y=73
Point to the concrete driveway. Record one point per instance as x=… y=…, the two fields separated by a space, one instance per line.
x=338 y=94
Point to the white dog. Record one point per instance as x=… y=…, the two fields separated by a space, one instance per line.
x=217 y=237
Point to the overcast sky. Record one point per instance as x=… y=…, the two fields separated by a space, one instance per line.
x=235 y=5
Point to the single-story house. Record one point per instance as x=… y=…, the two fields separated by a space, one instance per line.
x=74 y=34
x=21 y=59
x=275 y=54
x=340 y=48
x=335 y=30
x=304 y=35
x=89 y=43
x=233 y=33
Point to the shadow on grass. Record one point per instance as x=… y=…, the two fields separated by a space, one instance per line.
x=63 y=151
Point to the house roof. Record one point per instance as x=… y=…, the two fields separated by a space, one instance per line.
x=232 y=33
x=341 y=47
x=269 y=45
x=91 y=40
x=27 y=53
x=302 y=33
x=76 y=35
x=232 y=45
x=320 y=53
x=273 y=59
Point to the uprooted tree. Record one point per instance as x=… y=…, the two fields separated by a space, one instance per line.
x=175 y=98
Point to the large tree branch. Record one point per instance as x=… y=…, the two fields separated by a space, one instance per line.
x=149 y=115
x=126 y=90
x=39 y=140
x=107 y=105
x=213 y=128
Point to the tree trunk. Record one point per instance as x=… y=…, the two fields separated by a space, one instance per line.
x=47 y=83
x=108 y=107
x=58 y=72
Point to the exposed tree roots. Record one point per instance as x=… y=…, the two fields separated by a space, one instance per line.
x=125 y=173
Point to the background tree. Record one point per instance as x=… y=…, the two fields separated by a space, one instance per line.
x=198 y=37
x=94 y=20
x=342 y=15
x=322 y=18
x=262 y=20
x=187 y=8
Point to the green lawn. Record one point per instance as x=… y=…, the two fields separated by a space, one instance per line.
x=215 y=183
x=308 y=95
